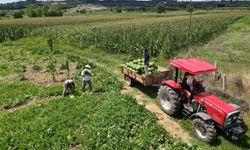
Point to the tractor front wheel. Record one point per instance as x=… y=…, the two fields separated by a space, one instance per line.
x=204 y=130
x=170 y=100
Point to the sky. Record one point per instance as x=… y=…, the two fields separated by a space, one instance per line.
x=8 y=1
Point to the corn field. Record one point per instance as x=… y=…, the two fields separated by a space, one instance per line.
x=13 y=32
x=162 y=36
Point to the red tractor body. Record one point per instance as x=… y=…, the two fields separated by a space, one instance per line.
x=207 y=111
x=216 y=108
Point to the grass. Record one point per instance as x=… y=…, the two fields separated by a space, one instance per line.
x=231 y=50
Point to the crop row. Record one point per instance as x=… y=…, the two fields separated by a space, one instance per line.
x=16 y=29
x=161 y=36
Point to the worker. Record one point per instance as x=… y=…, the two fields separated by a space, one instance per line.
x=146 y=61
x=69 y=87
x=188 y=81
x=187 y=84
x=86 y=78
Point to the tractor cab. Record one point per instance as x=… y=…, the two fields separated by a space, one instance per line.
x=187 y=76
x=184 y=68
x=185 y=94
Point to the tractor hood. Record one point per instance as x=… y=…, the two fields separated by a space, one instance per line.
x=219 y=104
x=215 y=102
x=215 y=107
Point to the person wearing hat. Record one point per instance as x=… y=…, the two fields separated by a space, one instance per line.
x=86 y=78
x=68 y=87
x=146 y=61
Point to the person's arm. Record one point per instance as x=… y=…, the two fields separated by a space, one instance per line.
x=82 y=74
x=90 y=73
x=190 y=80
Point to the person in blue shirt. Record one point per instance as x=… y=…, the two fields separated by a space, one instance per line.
x=146 y=61
x=86 y=78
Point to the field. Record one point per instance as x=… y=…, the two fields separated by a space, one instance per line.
x=42 y=119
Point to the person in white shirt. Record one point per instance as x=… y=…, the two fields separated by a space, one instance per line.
x=86 y=78
x=68 y=87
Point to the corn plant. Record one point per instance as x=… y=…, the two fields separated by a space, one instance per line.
x=51 y=68
x=162 y=36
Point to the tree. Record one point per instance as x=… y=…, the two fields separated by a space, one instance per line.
x=3 y=13
x=83 y=11
x=118 y=10
x=53 y=12
x=31 y=1
x=31 y=11
x=40 y=11
x=160 y=8
x=17 y=14
x=189 y=7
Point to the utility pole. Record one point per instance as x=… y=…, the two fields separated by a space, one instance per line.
x=190 y=21
x=189 y=26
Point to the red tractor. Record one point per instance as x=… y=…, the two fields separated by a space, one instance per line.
x=208 y=112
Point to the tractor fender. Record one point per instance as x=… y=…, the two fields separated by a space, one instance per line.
x=201 y=115
x=172 y=84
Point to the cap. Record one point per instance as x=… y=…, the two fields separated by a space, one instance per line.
x=88 y=66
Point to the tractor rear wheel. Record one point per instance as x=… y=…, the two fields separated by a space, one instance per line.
x=204 y=130
x=170 y=100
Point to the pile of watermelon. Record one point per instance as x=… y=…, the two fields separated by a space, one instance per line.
x=138 y=66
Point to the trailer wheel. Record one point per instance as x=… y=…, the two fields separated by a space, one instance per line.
x=169 y=100
x=128 y=80
x=204 y=130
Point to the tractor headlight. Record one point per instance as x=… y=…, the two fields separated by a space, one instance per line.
x=231 y=118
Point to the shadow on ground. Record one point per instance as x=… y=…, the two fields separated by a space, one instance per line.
x=150 y=91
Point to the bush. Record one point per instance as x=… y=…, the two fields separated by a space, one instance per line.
x=33 y=11
x=83 y=11
x=160 y=8
x=3 y=13
x=17 y=15
x=53 y=12
x=118 y=10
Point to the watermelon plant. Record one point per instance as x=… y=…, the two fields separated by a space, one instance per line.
x=85 y=123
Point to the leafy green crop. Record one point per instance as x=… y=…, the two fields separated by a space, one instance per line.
x=16 y=93
x=97 y=121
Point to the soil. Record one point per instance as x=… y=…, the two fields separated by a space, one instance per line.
x=42 y=77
